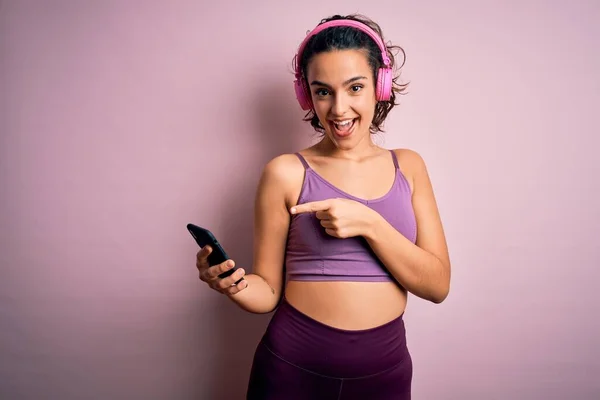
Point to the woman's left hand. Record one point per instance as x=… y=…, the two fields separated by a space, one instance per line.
x=341 y=218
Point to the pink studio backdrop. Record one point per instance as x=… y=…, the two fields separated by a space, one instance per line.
x=122 y=121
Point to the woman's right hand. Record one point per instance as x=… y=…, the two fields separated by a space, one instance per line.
x=210 y=275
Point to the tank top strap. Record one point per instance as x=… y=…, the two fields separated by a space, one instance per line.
x=395 y=158
x=303 y=161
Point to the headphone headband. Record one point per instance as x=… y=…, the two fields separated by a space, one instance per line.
x=343 y=22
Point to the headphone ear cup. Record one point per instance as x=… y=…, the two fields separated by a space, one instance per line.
x=384 y=84
x=302 y=95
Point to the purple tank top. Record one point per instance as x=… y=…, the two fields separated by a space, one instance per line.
x=313 y=255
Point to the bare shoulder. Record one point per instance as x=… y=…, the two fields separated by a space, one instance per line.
x=284 y=173
x=283 y=169
x=282 y=165
x=410 y=160
x=411 y=164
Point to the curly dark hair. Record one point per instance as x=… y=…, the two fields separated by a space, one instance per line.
x=343 y=38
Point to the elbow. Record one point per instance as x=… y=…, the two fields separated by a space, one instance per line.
x=442 y=289
x=439 y=298
x=435 y=295
x=440 y=293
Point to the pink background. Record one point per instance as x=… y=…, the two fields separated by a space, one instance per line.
x=122 y=121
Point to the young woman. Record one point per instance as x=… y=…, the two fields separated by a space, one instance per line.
x=352 y=226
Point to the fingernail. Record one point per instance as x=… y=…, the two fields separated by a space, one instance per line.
x=293 y=210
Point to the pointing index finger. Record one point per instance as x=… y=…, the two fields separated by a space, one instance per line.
x=313 y=206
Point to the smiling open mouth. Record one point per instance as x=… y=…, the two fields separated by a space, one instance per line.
x=343 y=128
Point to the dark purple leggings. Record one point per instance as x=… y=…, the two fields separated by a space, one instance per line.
x=301 y=358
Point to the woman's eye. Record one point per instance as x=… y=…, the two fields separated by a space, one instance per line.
x=322 y=92
x=356 y=88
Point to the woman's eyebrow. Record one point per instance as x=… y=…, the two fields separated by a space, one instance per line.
x=319 y=83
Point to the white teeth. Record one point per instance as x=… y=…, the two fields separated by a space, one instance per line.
x=344 y=123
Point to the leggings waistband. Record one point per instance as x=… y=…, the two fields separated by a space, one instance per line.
x=314 y=346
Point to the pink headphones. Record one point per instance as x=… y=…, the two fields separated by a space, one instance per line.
x=383 y=89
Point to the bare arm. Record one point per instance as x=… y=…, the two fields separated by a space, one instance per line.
x=423 y=269
x=271 y=223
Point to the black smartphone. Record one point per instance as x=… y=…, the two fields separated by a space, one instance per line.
x=204 y=237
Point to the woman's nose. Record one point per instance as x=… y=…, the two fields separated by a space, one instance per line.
x=340 y=105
